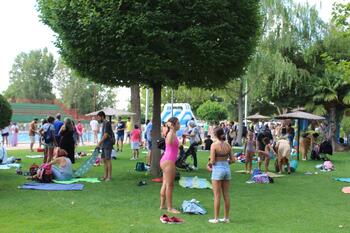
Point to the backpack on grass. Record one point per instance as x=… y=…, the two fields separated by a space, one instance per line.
x=45 y=173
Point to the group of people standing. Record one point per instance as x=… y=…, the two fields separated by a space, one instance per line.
x=9 y=135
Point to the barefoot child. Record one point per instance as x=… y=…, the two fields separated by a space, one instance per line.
x=249 y=150
x=135 y=142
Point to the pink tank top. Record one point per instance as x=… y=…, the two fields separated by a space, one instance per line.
x=171 y=151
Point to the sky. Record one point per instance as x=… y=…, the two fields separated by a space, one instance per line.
x=22 y=31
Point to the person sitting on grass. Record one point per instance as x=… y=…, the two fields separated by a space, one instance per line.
x=61 y=165
x=135 y=138
x=249 y=150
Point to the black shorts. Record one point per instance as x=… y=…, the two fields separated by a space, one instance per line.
x=5 y=134
x=261 y=146
x=106 y=153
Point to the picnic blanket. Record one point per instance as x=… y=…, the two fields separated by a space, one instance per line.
x=35 y=156
x=343 y=179
x=194 y=182
x=76 y=180
x=10 y=165
x=346 y=190
x=85 y=167
x=52 y=186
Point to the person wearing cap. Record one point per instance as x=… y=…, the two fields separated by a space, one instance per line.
x=58 y=124
x=32 y=132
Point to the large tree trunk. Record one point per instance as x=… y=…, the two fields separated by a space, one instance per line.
x=240 y=115
x=157 y=91
x=135 y=104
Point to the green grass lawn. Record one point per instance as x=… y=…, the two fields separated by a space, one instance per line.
x=294 y=203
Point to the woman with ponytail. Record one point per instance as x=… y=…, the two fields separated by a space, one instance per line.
x=167 y=164
x=220 y=159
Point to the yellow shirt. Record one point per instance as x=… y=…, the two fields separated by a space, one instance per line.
x=128 y=126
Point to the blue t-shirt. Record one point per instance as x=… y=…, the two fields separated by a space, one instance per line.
x=58 y=124
x=148 y=131
x=120 y=128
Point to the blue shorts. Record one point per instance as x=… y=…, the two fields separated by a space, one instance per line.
x=221 y=171
x=120 y=137
x=149 y=145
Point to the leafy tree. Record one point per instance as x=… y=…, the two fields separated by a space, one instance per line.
x=31 y=75
x=341 y=15
x=212 y=111
x=281 y=67
x=155 y=43
x=6 y=112
x=82 y=94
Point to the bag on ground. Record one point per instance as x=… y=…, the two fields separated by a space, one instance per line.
x=45 y=173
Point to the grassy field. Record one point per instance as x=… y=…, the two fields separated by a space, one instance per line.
x=294 y=203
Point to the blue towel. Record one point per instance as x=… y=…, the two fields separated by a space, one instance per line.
x=343 y=179
x=52 y=186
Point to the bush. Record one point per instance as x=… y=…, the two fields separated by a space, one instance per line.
x=5 y=112
x=212 y=111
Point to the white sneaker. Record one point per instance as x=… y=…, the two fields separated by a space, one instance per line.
x=224 y=220
x=214 y=220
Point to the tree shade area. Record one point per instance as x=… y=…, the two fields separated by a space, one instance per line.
x=155 y=43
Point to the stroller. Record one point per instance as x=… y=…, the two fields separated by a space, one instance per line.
x=181 y=161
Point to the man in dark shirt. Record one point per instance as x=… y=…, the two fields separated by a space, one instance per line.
x=208 y=142
x=120 y=133
x=106 y=144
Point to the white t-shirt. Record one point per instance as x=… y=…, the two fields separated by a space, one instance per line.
x=94 y=125
x=5 y=130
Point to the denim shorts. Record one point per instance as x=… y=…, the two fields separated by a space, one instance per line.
x=221 y=171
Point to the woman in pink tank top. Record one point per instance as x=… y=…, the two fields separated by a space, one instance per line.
x=167 y=164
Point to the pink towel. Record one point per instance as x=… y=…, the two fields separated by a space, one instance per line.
x=346 y=190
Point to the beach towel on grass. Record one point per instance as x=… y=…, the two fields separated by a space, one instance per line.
x=85 y=167
x=52 y=186
x=35 y=156
x=346 y=190
x=194 y=182
x=76 y=180
x=10 y=165
x=343 y=179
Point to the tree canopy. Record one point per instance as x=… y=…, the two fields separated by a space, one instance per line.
x=31 y=75
x=6 y=112
x=82 y=94
x=212 y=111
x=200 y=43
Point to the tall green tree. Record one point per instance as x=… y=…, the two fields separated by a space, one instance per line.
x=31 y=76
x=281 y=68
x=203 y=43
x=6 y=112
x=82 y=94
